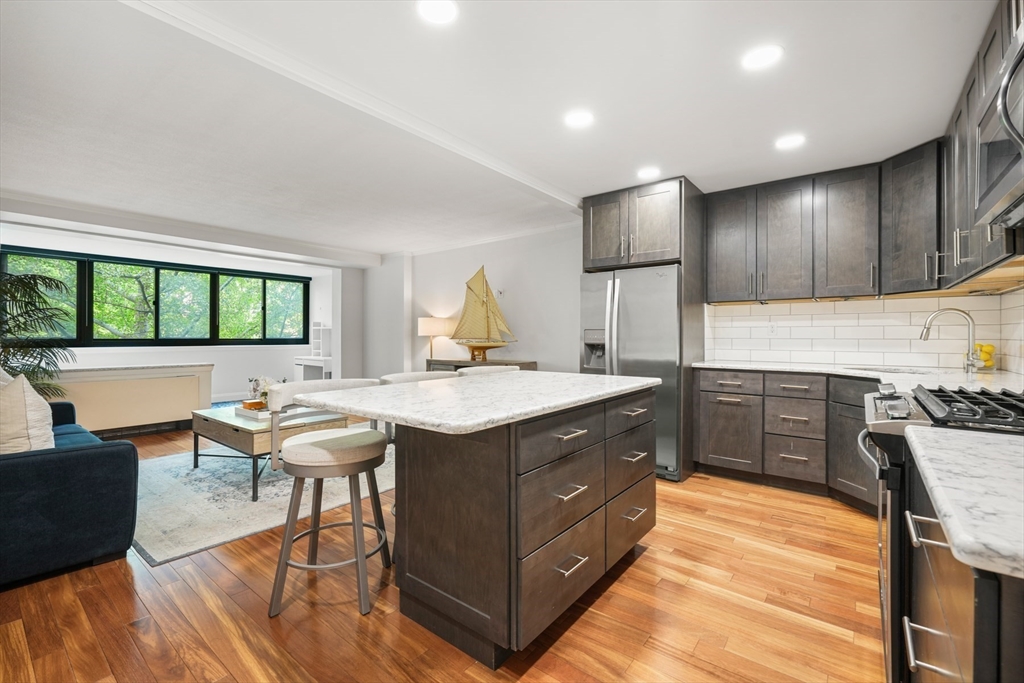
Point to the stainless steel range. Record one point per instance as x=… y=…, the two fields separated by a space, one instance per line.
x=887 y=413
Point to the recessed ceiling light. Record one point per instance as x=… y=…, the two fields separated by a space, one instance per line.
x=437 y=11
x=762 y=57
x=648 y=172
x=791 y=141
x=579 y=118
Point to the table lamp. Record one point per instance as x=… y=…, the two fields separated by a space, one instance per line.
x=432 y=327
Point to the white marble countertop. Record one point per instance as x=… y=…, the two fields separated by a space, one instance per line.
x=976 y=483
x=469 y=404
x=905 y=379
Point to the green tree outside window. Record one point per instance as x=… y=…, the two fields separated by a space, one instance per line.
x=123 y=301
x=241 y=307
x=184 y=305
x=59 y=269
x=284 y=309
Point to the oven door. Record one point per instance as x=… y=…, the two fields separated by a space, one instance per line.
x=877 y=459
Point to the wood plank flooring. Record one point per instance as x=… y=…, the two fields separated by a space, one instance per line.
x=736 y=583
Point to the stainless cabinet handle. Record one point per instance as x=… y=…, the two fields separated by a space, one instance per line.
x=569 y=437
x=937 y=273
x=871 y=274
x=912 y=662
x=794 y=417
x=578 y=491
x=915 y=538
x=750 y=284
x=926 y=265
x=639 y=456
x=730 y=384
x=762 y=282
x=582 y=561
x=634 y=413
x=792 y=457
x=622 y=246
x=636 y=516
x=720 y=399
x=793 y=386
x=631 y=250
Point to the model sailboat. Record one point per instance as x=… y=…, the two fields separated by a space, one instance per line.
x=482 y=326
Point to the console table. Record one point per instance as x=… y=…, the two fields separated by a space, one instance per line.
x=441 y=364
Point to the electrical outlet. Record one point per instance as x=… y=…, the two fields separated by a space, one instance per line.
x=773 y=329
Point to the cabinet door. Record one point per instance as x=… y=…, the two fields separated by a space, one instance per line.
x=732 y=245
x=991 y=53
x=846 y=233
x=605 y=219
x=731 y=431
x=910 y=220
x=847 y=471
x=959 y=245
x=654 y=222
x=785 y=261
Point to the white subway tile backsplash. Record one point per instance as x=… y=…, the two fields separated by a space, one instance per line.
x=951 y=360
x=860 y=332
x=731 y=311
x=837 y=320
x=914 y=360
x=815 y=332
x=900 y=305
x=814 y=357
x=790 y=344
x=732 y=333
x=1012 y=315
x=908 y=332
x=815 y=307
x=890 y=345
x=983 y=317
x=938 y=346
x=730 y=354
x=985 y=333
x=792 y=320
x=885 y=318
x=860 y=306
x=859 y=358
x=770 y=309
x=836 y=345
x=751 y=321
x=971 y=303
x=1012 y=299
x=762 y=332
x=771 y=356
x=761 y=344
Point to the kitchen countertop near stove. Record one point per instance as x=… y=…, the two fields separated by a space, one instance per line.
x=930 y=378
x=979 y=499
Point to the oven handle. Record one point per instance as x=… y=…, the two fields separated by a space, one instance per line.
x=865 y=454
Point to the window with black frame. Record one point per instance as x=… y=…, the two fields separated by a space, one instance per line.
x=123 y=302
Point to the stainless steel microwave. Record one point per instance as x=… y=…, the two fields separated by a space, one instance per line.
x=1000 y=153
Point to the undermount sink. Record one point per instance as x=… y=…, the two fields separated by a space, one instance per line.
x=901 y=371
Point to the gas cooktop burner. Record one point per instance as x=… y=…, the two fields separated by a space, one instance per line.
x=982 y=408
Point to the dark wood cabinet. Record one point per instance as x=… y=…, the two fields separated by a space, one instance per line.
x=731 y=430
x=910 y=220
x=846 y=233
x=731 y=245
x=605 y=229
x=654 y=222
x=785 y=260
x=960 y=243
x=847 y=471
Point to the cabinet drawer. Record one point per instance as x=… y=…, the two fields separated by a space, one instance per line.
x=629 y=458
x=732 y=382
x=850 y=391
x=731 y=433
x=795 y=386
x=227 y=435
x=789 y=456
x=554 y=497
x=794 y=417
x=553 y=577
x=551 y=438
x=630 y=515
x=628 y=412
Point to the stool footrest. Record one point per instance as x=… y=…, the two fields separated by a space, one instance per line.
x=382 y=537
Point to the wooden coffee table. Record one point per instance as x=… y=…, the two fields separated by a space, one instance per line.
x=252 y=437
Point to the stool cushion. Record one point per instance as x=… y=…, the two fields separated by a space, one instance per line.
x=334 y=447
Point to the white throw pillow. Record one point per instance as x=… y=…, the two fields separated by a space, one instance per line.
x=26 y=423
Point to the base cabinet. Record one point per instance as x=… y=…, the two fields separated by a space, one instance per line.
x=731 y=430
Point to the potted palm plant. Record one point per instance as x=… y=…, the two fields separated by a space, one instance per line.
x=31 y=328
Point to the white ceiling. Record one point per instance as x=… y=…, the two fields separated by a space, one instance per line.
x=356 y=125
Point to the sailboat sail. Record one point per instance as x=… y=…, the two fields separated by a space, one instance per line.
x=482 y=323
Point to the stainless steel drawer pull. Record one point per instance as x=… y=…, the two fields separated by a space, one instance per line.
x=793 y=386
x=639 y=456
x=634 y=413
x=915 y=538
x=728 y=400
x=730 y=384
x=794 y=417
x=582 y=561
x=578 y=491
x=912 y=661
x=636 y=516
x=792 y=457
x=569 y=437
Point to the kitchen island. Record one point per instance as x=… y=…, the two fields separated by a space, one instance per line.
x=514 y=492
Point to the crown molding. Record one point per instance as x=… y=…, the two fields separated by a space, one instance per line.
x=189 y=18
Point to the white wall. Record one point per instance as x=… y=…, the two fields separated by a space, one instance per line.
x=872 y=332
x=233 y=365
x=387 y=306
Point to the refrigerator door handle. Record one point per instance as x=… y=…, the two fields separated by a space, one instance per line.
x=608 y=370
x=613 y=335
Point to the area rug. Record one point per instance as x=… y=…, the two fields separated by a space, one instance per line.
x=184 y=510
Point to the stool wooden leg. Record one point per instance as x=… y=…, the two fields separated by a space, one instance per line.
x=378 y=516
x=360 y=544
x=286 y=547
x=314 y=520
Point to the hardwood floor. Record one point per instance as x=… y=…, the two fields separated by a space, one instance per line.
x=737 y=582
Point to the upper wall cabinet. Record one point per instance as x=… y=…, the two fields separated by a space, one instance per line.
x=731 y=245
x=910 y=258
x=605 y=221
x=654 y=222
x=846 y=233
x=785 y=260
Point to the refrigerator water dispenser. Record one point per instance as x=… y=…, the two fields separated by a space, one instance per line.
x=593 y=349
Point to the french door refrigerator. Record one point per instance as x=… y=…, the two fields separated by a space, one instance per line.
x=634 y=322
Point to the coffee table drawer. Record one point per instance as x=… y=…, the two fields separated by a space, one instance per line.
x=232 y=437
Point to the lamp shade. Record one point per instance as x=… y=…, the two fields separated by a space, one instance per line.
x=432 y=327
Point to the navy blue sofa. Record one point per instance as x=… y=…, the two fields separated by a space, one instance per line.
x=68 y=505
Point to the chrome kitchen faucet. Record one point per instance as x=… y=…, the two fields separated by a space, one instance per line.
x=972 y=361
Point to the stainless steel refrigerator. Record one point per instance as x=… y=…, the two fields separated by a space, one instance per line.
x=640 y=322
